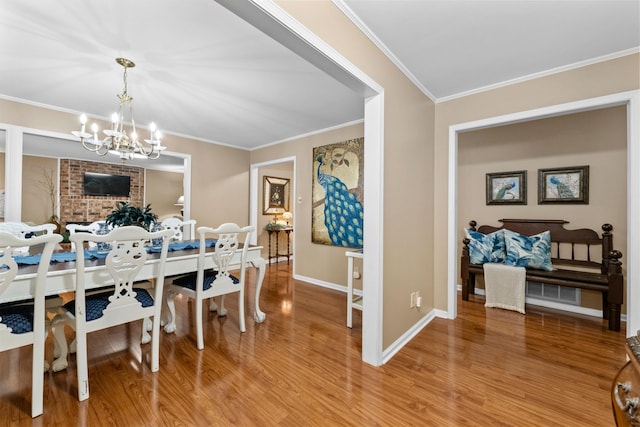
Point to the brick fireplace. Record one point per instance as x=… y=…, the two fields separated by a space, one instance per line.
x=77 y=207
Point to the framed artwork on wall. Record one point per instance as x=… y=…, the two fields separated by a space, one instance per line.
x=276 y=195
x=569 y=185
x=507 y=188
x=337 y=216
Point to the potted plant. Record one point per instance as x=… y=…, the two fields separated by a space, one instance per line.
x=125 y=214
x=274 y=226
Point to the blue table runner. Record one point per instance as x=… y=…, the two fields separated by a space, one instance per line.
x=94 y=254
x=180 y=246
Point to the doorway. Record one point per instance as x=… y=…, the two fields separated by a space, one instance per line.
x=631 y=101
x=282 y=169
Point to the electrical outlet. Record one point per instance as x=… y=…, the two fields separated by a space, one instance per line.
x=413 y=300
x=418 y=299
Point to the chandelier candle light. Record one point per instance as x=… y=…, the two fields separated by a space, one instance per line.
x=116 y=140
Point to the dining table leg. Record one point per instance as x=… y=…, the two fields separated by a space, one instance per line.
x=61 y=347
x=260 y=265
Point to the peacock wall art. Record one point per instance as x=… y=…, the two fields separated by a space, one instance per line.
x=564 y=185
x=337 y=197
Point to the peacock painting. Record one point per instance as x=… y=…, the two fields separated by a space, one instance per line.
x=564 y=185
x=563 y=190
x=337 y=197
x=504 y=192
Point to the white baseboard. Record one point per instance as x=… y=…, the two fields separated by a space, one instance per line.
x=404 y=339
x=559 y=306
x=390 y=351
x=443 y=314
x=321 y=283
x=279 y=259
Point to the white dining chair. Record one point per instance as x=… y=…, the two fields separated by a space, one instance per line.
x=24 y=322
x=124 y=303
x=92 y=228
x=208 y=283
x=61 y=348
x=23 y=230
x=180 y=228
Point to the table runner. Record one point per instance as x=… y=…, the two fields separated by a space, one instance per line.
x=180 y=246
x=94 y=254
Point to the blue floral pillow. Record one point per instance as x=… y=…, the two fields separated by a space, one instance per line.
x=532 y=252
x=486 y=247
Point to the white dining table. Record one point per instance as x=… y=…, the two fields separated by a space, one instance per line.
x=61 y=275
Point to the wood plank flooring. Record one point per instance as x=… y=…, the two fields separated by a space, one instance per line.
x=302 y=367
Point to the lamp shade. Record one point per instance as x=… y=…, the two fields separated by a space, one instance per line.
x=180 y=201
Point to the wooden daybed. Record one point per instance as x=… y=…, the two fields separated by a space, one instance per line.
x=570 y=250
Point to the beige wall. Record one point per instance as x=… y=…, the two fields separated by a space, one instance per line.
x=618 y=75
x=595 y=138
x=321 y=262
x=408 y=244
x=219 y=183
x=162 y=190
x=36 y=201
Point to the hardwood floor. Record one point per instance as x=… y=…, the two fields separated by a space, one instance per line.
x=302 y=367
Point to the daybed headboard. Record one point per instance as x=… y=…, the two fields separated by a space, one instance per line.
x=559 y=236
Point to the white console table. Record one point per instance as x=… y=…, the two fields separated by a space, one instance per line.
x=354 y=296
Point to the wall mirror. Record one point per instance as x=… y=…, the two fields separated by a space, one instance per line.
x=35 y=143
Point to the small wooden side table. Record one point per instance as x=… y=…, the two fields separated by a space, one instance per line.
x=287 y=231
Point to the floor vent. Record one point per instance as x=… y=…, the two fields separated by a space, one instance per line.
x=561 y=294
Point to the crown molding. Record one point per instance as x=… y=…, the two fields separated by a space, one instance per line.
x=370 y=34
x=540 y=74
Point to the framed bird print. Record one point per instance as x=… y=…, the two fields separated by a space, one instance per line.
x=337 y=211
x=507 y=188
x=568 y=185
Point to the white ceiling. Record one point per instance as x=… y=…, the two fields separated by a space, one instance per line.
x=200 y=70
x=454 y=47
x=204 y=73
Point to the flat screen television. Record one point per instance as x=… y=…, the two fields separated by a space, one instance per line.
x=101 y=184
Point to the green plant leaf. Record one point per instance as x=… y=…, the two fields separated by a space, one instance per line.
x=125 y=214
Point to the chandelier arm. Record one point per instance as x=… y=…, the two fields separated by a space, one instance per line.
x=140 y=148
x=153 y=156
x=153 y=152
x=103 y=148
x=87 y=147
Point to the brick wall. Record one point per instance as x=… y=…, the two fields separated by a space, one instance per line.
x=76 y=207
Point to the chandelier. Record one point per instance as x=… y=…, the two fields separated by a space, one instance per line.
x=117 y=141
